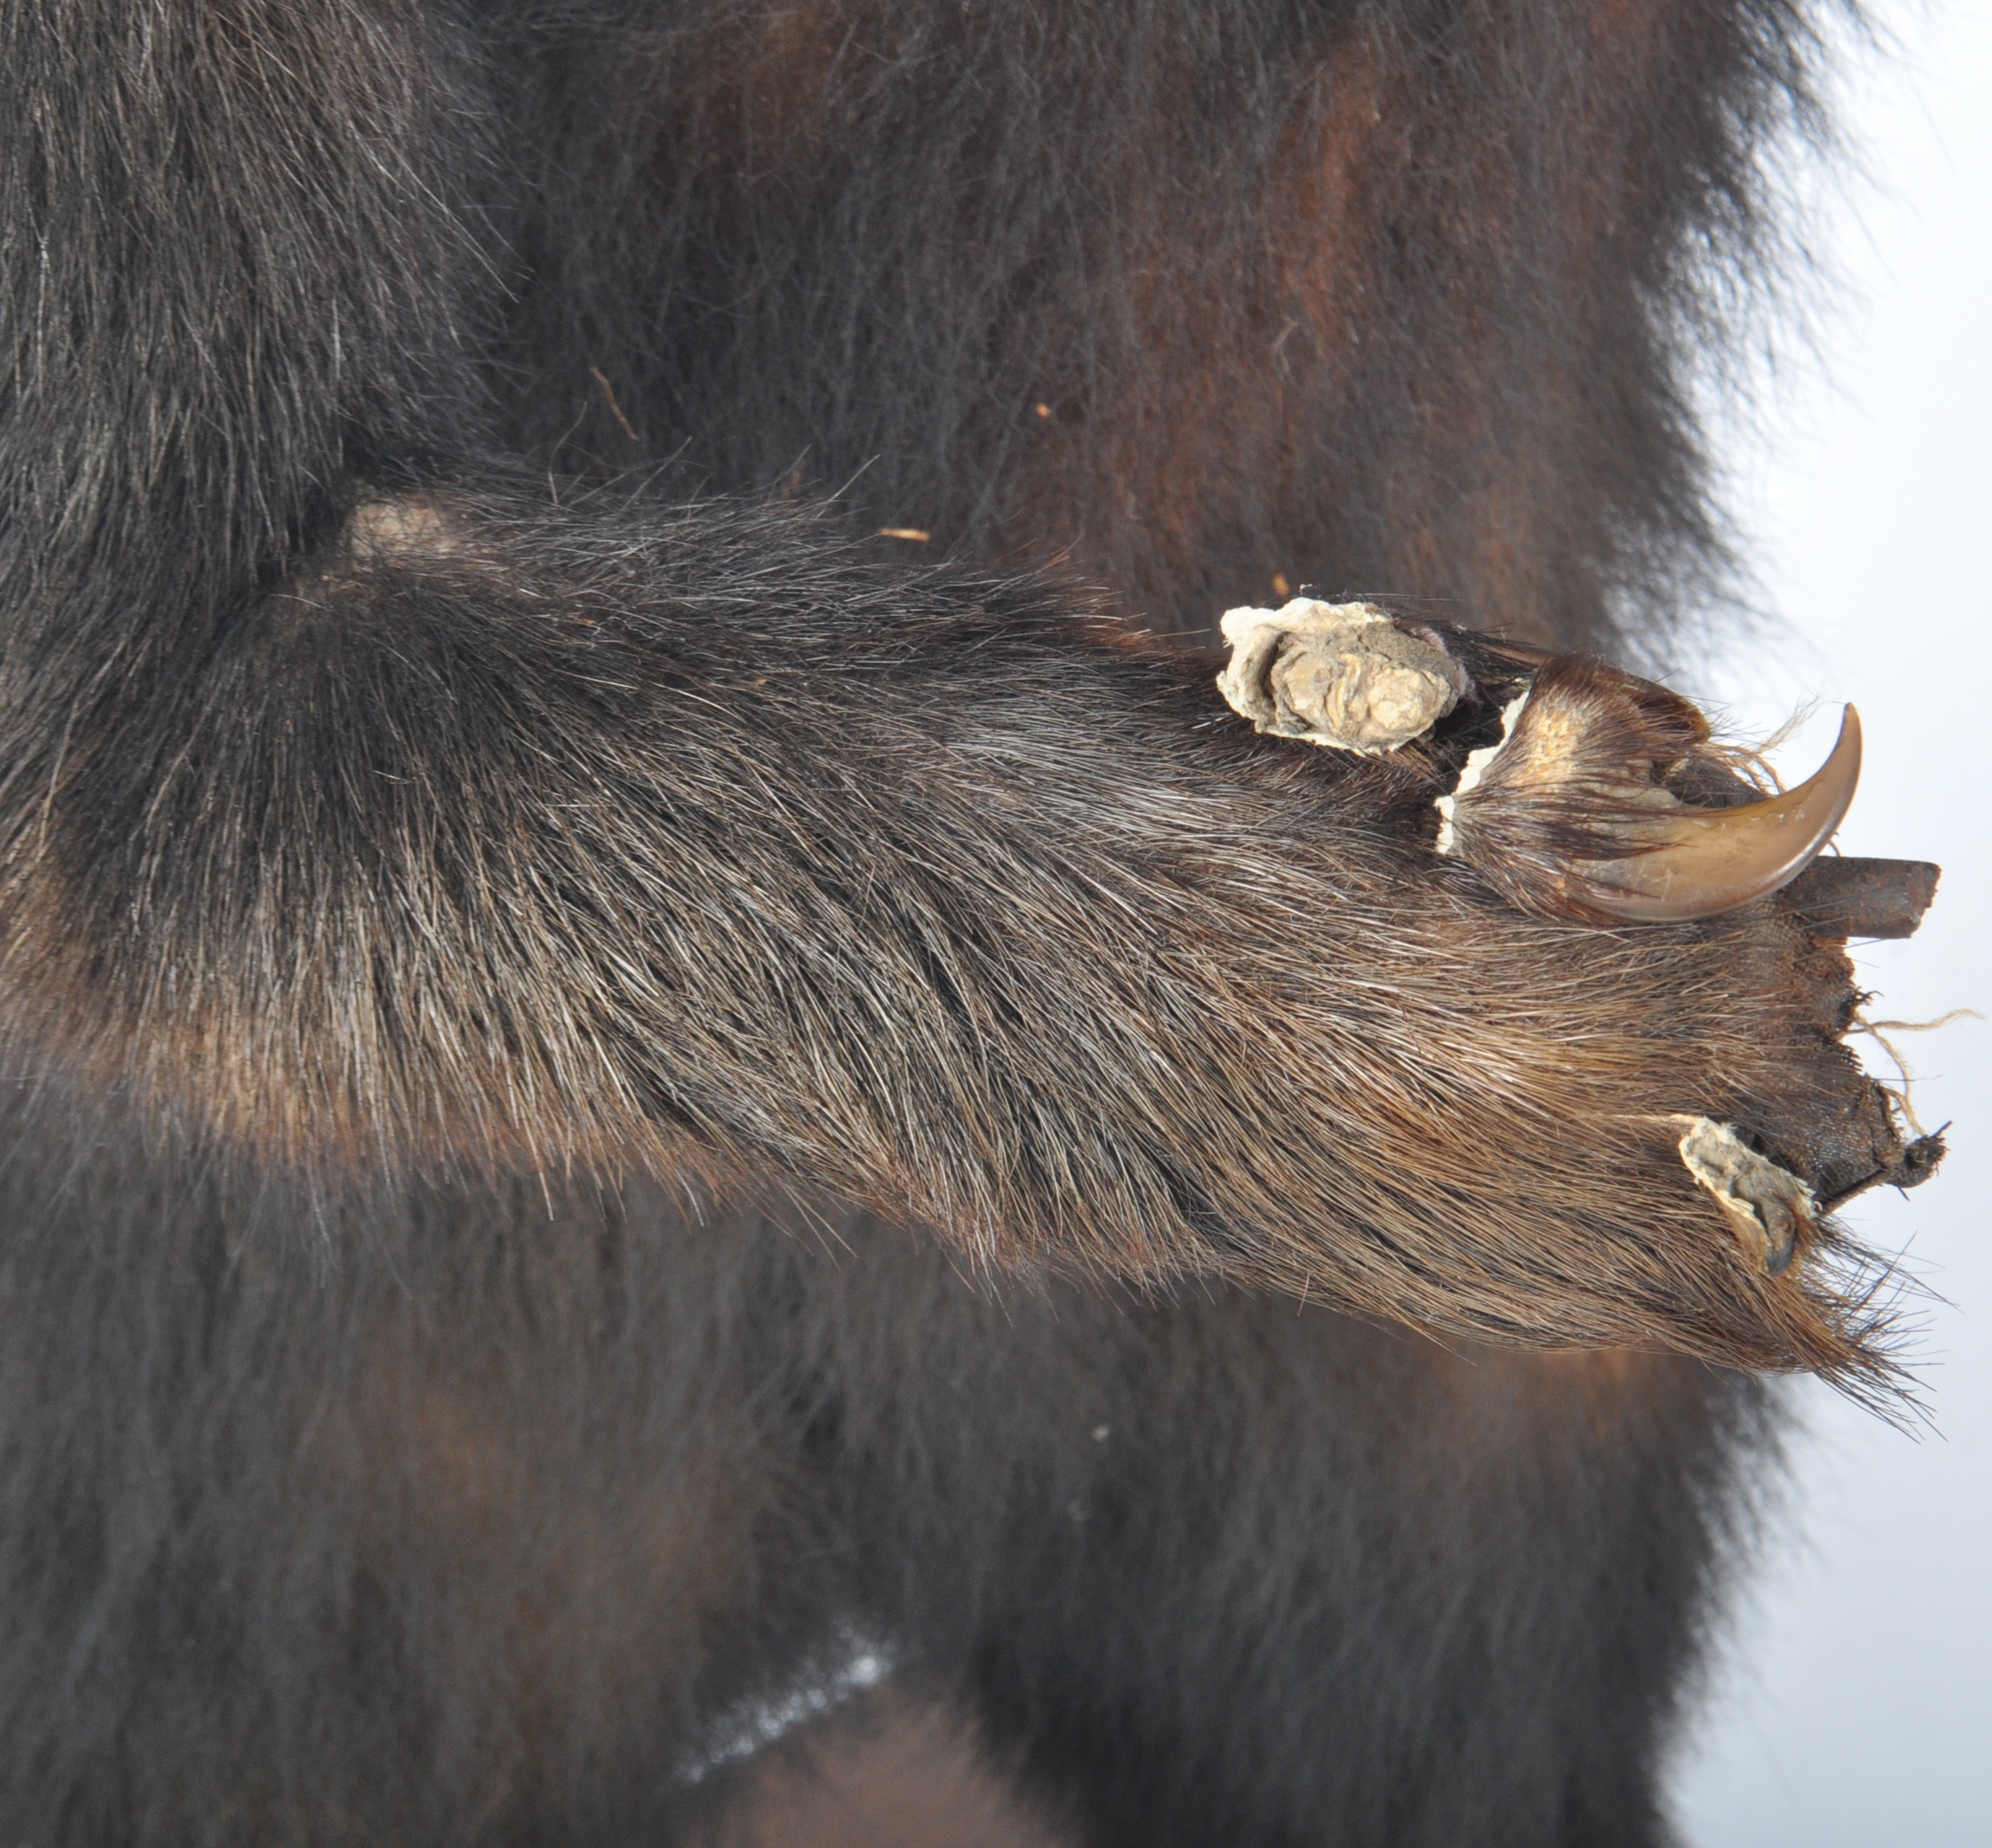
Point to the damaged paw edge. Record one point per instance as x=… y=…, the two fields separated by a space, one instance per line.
x=1767 y=1206
x=1472 y=773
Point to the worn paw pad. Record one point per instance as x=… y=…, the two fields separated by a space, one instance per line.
x=1767 y=1207
x=1343 y=675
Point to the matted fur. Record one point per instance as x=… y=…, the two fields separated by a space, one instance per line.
x=458 y=775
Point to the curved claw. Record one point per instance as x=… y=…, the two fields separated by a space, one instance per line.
x=1704 y=861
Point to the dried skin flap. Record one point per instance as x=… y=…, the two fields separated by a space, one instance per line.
x=1342 y=675
x=1767 y=1205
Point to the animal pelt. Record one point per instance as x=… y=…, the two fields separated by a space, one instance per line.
x=498 y=1532
x=628 y=1085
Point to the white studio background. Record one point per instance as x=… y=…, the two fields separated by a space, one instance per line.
x=1852 y=1700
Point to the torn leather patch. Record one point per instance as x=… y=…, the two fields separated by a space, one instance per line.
x=1343 y=675
x=1767 y=1206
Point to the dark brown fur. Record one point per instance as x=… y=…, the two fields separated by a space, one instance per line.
x=459 y=773
x=710 y=852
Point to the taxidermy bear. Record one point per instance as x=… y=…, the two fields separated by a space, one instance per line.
x=693 y=1135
